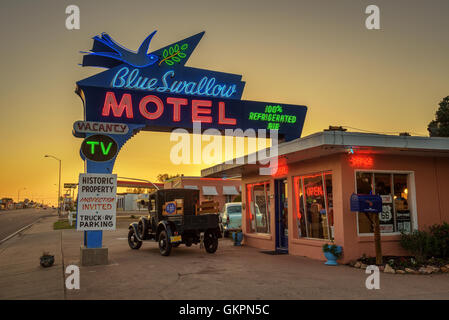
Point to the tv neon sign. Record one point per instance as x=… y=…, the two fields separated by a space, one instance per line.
x=99 y=148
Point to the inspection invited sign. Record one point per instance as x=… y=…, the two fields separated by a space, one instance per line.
x=97 y=196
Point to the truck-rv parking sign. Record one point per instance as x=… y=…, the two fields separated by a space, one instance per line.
x=97 y=202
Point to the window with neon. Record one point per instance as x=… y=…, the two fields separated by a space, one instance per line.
x=314 y=205
x=258 y=207
x=396 y=215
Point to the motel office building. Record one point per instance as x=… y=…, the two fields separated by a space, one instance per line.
x=306 y=203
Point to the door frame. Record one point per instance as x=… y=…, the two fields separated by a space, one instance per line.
x=277 y=212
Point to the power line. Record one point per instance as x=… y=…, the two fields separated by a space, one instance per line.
x=385 y=132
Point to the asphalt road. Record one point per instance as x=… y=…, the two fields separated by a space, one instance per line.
x=13 y=220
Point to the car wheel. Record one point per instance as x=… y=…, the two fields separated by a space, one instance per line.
x=133 y=242
x=164 y=244
x=210 y=242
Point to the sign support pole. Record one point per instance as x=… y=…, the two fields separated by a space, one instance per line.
x=94 y=239
x=377 y=242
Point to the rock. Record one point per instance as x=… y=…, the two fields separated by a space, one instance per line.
x=400 y=271
x=389 y=269
x=363 y=266
x=413 y=271
x=357 y=264
x=444 y=269
x=434 y=269
x=425 y=270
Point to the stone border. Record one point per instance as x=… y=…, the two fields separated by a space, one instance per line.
x=429 y=269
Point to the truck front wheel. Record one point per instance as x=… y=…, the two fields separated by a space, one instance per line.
x=133 y=242
x=210 y=242
x=164 y=244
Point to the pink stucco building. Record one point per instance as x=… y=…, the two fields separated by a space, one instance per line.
x=306 y=203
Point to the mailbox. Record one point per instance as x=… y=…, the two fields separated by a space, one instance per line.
x=366 y=203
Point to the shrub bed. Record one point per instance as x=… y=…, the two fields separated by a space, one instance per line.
x=429 y=251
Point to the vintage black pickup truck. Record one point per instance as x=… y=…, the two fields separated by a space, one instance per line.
x=177 y=217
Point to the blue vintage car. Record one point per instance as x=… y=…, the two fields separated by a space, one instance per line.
x=231 y=217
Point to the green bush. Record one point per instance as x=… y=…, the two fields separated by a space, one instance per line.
x=440 y=235
x=425 y=244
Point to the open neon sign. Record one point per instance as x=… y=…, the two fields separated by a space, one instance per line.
x=361 y=161
x=314 y=191
x=281 y=169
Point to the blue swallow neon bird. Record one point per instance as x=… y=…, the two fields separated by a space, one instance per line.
x=107 y=53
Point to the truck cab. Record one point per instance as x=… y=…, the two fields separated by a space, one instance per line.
x=177 y=217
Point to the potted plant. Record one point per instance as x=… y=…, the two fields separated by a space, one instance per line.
x=237 y=236
x=332 y=253
x=47 y=260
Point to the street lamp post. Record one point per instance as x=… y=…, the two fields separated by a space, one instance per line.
x=59 y=186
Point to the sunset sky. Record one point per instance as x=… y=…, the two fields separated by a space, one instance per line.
x=313 y=53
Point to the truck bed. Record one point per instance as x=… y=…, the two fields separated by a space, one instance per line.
x=196 y=222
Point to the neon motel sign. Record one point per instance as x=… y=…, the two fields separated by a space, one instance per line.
x=155 y=91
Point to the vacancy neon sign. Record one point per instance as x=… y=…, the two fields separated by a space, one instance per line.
x=152 y=107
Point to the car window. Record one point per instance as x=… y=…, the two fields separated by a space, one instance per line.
x=234 y=209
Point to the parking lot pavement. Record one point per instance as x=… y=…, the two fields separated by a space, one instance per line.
x=232 y=273
x=189 y=273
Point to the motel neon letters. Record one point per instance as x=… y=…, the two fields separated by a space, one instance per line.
x=152 y=107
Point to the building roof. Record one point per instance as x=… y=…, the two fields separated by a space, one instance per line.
x=331 y=142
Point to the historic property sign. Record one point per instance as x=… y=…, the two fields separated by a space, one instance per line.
x=97 y=202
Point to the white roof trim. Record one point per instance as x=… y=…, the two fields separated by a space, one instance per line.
x=341 y=139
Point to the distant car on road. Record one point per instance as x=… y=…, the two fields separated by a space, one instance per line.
x=231 y=217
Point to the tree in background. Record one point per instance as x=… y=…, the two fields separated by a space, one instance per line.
x=162 y=177
x=440 y=126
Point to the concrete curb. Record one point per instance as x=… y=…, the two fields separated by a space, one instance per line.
x=19 y=231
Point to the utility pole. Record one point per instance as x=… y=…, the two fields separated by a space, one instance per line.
x=18 y=194
x=59 y=186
